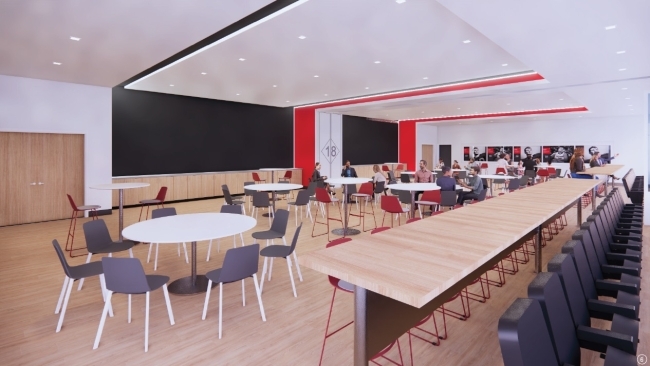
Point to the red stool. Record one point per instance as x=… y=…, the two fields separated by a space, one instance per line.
x=364 y=194
x=323 y=198
x=256 y=178
x=287 y=176
x=501 y=171
x=385 y=168
x=73 y=224
x=158 y=201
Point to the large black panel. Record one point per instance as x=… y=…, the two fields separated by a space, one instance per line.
x=157 y=133
x=369 y=142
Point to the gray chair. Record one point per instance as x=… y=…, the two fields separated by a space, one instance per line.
x=513 y=185
x=282 y=251
x=448 y=199
x=262 y=200
x=523 y=181
x=277 y=231
x=302 y=200
x=229 y=209
x=98 y=241
x=248 y=194
x=238 y=265
x=379 y=189
x=500 y=182
x=532 y=175
x=230 y=201
x=404 y=198
x=404 y=178
x=284 y=193
x=73 y=273
x=462 y=175
x=391 y=176
x=164 y=212
x=126 y=276
x=352 y=189
x=439 y=174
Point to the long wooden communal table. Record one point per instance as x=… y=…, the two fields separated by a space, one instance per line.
x=403 y=274
x=607 y=170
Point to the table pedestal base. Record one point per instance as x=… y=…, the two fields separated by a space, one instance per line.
x=184 y=286
x=346 y=232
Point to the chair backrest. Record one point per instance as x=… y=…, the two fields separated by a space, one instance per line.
x=385 y=168
x=391 y=176
x=74 y=205
x=404 y=197
x=379 y=187
x=248 y=192
x=64 y=262
x=542 y=172
x=530 y=173
x=161 y=194
x=97 y=235
x=333 y=280
x=590 y=251
x=366 y=188
x=294 y=241
x=439 y=174
x=352 y=188
x=547 y=289
x=322 y=196
x=400 y=167
x=513 y=184
x=288 y=174
x=448 y=198
x=404 y=178
x=231 y=209
x=501 y=170
x=574 y=249
x=391 y=204
x=482 y=195
x=302 y=198
x=524 y=336
x=240 y=263
x=261 y=199
x=523 y=181
x=280 y=221
x=484 y=165
x=163 y=212
x=226 y=194
x=563 y=265
x=256 y=177
x=558 y=173
x=431 y=196
x=551 y=170
x=311 y=188
x=125 y=275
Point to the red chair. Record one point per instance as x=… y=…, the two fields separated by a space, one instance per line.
x=349 y=288
x=365 y=195
x=287 y=176
x=73 y=223
x=391 y=205
x=429 y=198
x=158 y=201
x=501 y=171
x=484 y=168
x=256 y=178
x=552 y=173
x=542 y=174
x=400 y=167
x=323 y=198
x=385 y=168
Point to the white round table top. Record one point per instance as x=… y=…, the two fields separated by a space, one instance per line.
x=120 y=186
x=273 y=169
x=343 y=180
x=188 y=228
x=453 y=170
x=408 y=173
x=496 y=176
x=414 y=186
x=266 y=187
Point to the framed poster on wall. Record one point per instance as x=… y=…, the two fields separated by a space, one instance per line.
x=516 y=154
x=535 y=152
x=604 y=150
x=466 y=152
x=494 y=152
x=478 y=153
x=557 y=154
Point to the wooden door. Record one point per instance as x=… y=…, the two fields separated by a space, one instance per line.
x=427 y=155
x=15 y=176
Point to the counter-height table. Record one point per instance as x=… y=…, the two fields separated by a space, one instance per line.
x=273 y=170
x=345 y=181
x=406 y=278
x=607 y=170
x=273 y=188
x=189 y=228
x=492 y=177
x=121 y=187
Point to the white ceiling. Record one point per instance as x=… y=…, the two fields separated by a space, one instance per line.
x=119 y=38
x=344 y=38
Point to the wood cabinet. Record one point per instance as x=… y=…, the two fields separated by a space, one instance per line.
x=37 y=170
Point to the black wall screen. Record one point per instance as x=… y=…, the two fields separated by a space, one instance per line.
x=369 y=142
x=157 y=133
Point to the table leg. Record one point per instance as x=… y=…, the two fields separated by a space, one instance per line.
x=272 y=176
x=273 y=198
x=192 y=284
x=345 y=231
x=491 y=184
x=360 y=318
x=121 y=213
x=593 y=199
x=579 y=209
x=412 y=204
x=538 y=249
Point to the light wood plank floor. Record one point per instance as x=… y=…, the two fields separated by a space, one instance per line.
x=31 y=279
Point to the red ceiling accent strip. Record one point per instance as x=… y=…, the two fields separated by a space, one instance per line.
x=499 y=114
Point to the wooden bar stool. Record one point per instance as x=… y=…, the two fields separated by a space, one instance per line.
x=73 y=223
x=158 y=201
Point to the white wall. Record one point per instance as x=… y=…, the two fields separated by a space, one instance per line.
x=329 y=143
x=426 y=135
x=31 y=105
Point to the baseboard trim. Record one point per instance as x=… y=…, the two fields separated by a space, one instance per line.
x=107 y=211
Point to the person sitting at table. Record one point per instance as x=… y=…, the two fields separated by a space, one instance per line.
x=379 y=177
x=476 y=186
x=520 y=168
x=502 y=162
x=316 y=177
x=472 y=163
x=348 y=171
x=446 y=182
x=595 y=160
x=455 y=165
x=423 y=175
x=577 y=164
x=441 y=163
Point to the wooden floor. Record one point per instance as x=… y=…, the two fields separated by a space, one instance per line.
x=31 y=278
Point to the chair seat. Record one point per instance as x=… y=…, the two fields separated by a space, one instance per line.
x=86 y=270
x=276 y=251
x=88 y=207
x=267 y=235
x=427 y=203
x=359 y=195
x=294 y=204
x=214 y=275
x=156 y=281
x=151 y=202
x=115 y=246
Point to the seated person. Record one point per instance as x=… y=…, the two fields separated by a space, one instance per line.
x=476 y=186
x=472 y=163
x=446 y=182
x=455 y=165
x=320 y=179
x=348 y=171
x=441 y=163
x=379 y=177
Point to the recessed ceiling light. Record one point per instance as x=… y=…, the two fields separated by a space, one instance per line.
x=610 y=27
x=242 y=59
x=504 y=64
x=627 y=98
x=561 y=99
x=287 y=101
x=302 y=37
x=425 y=78
x=203 y=73
x=315 y=76
x=325 y=94
x=75 y=38
x=377 y=62
x=56 y=63
x=508 y=104
x=623 y=88
x=400 y=1
x=458 y=107
x=620 y=52
x=275 y=86
x=171 y=84
x=367 y=87
x=622 y=69
x=466 y=41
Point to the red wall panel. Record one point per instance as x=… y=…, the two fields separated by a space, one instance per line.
x=407 y=144
x=304 y=143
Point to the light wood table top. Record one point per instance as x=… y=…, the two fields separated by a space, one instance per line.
x=414 y=263
x=609 y=169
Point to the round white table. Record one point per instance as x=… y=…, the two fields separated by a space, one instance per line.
x=491 y=177
x=121 y=187
x=273 y=170
x=408 y=173
x=345 y=181
x=273 y=188
x=414 y=187
x=452 y=170
x=189 y=228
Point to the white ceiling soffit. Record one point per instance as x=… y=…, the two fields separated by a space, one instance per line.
x=417 y=43
x=118 y=38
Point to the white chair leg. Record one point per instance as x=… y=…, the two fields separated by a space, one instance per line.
x=178 y=249
x=103 y=319
x=420 y=210
x=81 y=281
x=185 y=250
x=293 y=285
x=102 y=283
x=295 y=257
x=149 y=254
x=62 y=295
x=259 y=296
x=207 y=299
x=220 y=306
x=209 y=249
x=65 y=305
x=270 y=269
x=131 y=252
x=311 y=218
x=263 y=274
x=234 y=241
x=155 y=261
x=243 y=293
x=169 y=305
x=129 y=316
x=295 y=210
x=146 y=323
x=241 y=236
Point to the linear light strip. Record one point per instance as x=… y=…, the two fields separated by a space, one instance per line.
x=498 y=114
x=231 y=35
x=441 y=86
